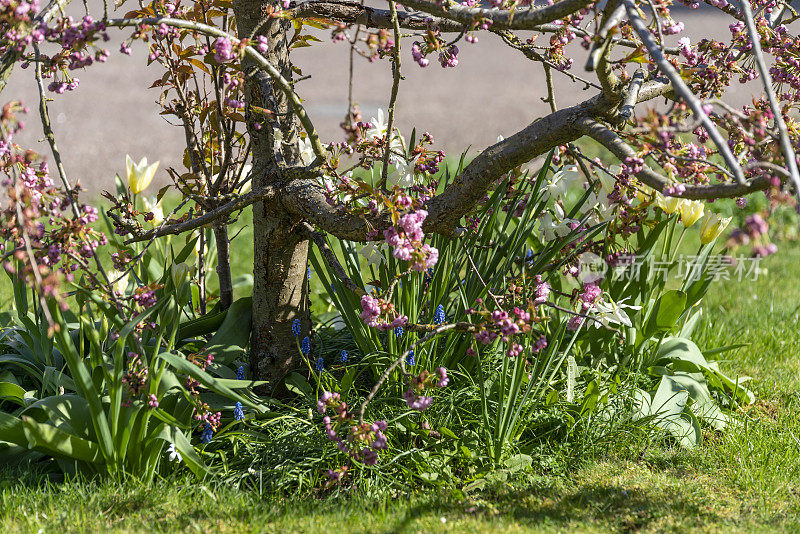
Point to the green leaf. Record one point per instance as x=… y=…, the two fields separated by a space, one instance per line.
x=12 y=392
x=50 y=439
x=296 y=383
x=233 y=335
x=667 y=311
x=214 y=384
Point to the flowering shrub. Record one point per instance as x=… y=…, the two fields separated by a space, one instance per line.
x=524 y=288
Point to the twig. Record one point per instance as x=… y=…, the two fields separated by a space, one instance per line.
x=330 y=259
x=396 y=76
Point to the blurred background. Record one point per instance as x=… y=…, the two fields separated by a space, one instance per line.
x=493 y=90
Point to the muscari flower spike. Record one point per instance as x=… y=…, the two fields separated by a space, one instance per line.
x=320 y=364
x=207 y=434
x=296 y=328
x=238 y=412
x=305 y=346
x=410 y=358
x=240 y=373
x=438 y=316
x=398 y=331
x=343 y=356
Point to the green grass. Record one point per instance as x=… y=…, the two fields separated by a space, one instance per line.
x=746 y=479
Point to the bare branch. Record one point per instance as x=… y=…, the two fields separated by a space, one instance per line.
x=207 y=218
x=356 y=13
x=520 y=19
x=330 y=259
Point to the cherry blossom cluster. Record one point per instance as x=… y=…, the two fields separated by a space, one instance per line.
x=406 y=238
x=380 y=314
x=362 y=441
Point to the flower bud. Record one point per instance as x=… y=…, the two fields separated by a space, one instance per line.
x=180 y=273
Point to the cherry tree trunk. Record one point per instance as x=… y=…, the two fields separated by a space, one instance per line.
x=280 y=290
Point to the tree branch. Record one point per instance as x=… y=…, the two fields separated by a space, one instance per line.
x=614 y=143
x=786 y=143
x=355 y=13
x=520 y=19
x=330 y=259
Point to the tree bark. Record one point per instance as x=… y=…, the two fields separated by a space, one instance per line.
x=223 y=264
x=281 y=251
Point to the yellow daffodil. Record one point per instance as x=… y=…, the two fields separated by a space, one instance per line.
x=139 y=174
x=691 y=211
x=669 y=204
x=153 y=206
x=712 y=226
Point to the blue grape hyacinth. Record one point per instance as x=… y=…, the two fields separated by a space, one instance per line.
x=343 y=356
x=207 y=434
x=305 y=346
x=398 y=331
x=296 y=328
x=238 y=412
x=438 y=316
x=410 y=359
x=320 y=364
x=240 y=373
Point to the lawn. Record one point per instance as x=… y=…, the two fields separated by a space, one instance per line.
x=745 y=479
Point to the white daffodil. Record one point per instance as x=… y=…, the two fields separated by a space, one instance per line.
x=404 y=175
x=552 y=227
x=373 y=252
x=711 y=226
x=307 y=155
x=139 y=174
x=378 y=126
x=604 y=208
x=174 y=456
x=154 y=206
x=612 y=312
x=119 y=282
x=560 y=182
x=691 y=211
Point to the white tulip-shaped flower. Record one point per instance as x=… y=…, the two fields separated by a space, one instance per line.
x=711 y=226
x=691 y=211
x=139 y=174
x=154 y=206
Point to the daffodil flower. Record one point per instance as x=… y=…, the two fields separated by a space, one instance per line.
x=560 y=183
x=612 y=312
x=139 y=174
x=404 y=174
